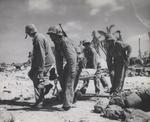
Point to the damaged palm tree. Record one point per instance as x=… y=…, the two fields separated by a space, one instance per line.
x=96 y=43
x=109 y=29
x=106 y=35
x=102 y=43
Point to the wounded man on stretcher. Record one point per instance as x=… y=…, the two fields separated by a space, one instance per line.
x=93 y=74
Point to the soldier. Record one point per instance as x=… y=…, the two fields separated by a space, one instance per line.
x=64 y=50
x=118 y=35
x=117 y=58
x=42 y=60
x=29 y=57
x=81 y=63
x=92 y=58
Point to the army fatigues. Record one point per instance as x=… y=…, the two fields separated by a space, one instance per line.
x=42 y=60
x=65 y=50
x=81 y=63
x=92 y=62
x=117 y=59
x=100 y=78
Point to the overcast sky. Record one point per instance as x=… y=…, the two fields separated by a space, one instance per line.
x=78 y=17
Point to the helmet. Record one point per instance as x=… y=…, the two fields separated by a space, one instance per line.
x=30 y=29
x=54 y=29
x=86 y=42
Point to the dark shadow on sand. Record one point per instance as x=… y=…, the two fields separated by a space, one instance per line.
x=49 y=104
x=43 y=108
x=16 y=103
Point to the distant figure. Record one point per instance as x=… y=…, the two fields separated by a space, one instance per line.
x=42 y=61
x=117 y=58
x=81 y=63
x=119 y=36
x=66 y=62
x=92 y=58
x=29 y=57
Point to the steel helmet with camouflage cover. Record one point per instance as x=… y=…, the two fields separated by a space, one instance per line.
x=30 y=29
x=55 y=30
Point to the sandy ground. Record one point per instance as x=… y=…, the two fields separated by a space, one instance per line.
x=18 y=87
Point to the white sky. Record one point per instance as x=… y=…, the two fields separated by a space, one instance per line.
x=79 y=19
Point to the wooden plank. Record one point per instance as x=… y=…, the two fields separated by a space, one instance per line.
x=87 y=77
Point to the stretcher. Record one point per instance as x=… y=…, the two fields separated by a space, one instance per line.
x=90 y=77
x=86 y=74
x=89 y=74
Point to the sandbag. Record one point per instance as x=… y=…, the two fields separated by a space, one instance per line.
x=117 y=100
x=136 y=115
x=133 y=100
x=101 y=105
x=144 y=94
x=114 y=112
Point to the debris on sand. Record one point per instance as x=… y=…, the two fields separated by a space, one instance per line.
x=127 y=107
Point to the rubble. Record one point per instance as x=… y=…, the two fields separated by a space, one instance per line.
x=13 y=67
x=118 y=100
x=123 y=106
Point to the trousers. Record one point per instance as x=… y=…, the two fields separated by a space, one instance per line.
x=67 y=81
x=97 y=79
x=118 y=77
x=40 y=80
